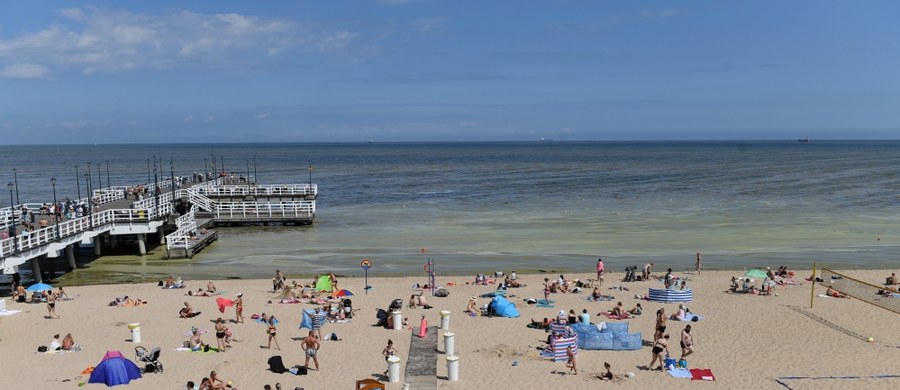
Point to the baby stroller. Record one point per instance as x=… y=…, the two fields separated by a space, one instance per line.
x=348 y=307
x=150 y=359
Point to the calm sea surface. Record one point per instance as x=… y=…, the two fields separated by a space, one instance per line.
x=525 y=206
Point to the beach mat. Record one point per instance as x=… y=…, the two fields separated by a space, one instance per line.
x=681 y=373
x=9 y=312
x=615 y=317
x=702 y=374
x=545 y=303
x=691 y=316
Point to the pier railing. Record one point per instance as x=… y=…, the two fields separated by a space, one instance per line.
x=181 y=238
x=295 y=209
x=100 y=222
x=267 y=190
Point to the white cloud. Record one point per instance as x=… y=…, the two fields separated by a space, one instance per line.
x=263 y=115
x=24 y=71
x=428 y=24
x=189 y=118
x=75 y=124
x=96 y=39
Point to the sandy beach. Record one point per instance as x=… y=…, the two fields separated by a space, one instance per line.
x=747 y=341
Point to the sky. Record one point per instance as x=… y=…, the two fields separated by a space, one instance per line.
x=433 y=70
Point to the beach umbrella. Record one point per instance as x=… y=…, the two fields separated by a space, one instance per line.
x=344 y=293
x=40 y=287
x=755 y=273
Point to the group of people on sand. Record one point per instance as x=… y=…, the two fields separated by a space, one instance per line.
x=661 y=339
x=67 y=343
x=212 y=382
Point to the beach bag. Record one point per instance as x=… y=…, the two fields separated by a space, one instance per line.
x=670 y=363
x=441 y=292
x=276 y=365
x=682 y=363
x=42 y=348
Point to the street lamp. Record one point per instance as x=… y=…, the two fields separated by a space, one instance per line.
x=254 y=170
x=100 y=179
x=12 y=226
x=88 y=180
x=88 y=187
x=309 y=168
x=172 y=173
x=148 y=171
x=108 y=183
x=223 y=169
x=78 y=183
x=248 y=177
x=56 y=207
x=155 y=189
x=16 y=179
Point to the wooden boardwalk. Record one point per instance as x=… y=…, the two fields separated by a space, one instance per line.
x=421 y=368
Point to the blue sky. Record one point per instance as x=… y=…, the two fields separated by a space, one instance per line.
x=431 y=70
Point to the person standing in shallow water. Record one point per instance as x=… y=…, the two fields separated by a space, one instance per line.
x=600 y=269
x=698 y=262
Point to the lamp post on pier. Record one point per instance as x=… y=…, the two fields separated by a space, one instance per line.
x=88 y=206
x=16 y=179
x=87 y=181
x=12 y=226
x=248 y=177
x=223 y=170
x=309 y=168
x=148 y=171
x=108 y=183
x=215 y=173
x=172 y=173
x=100 y=179
x=155 y=188
x=56 y=207
x=78 y=183
x=255 y=180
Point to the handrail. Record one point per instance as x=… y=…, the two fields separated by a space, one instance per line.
x=267 y=190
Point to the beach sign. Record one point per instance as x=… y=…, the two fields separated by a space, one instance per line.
x=366 y=264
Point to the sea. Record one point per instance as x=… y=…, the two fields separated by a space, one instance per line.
x=482 y=207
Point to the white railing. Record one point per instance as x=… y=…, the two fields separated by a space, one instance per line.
x=181 y=238
x=304 y=208
x=268 y=190
x=200 y=200
x=109 y=195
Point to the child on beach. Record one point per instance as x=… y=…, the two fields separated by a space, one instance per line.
x=571 y=363
x=608 y=375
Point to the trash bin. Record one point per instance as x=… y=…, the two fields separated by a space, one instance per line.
x=445 y=320
x=393 y=369
x=397 y=319
x=135 y=328
x=453 y=368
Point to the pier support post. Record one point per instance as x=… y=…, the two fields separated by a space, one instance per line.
x=113 y=241
x=142 y=245
x=97 y=244
x=70 y=255
x=36 y=269
x=162 y=235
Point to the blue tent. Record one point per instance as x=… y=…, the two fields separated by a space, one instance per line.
x=114 y=370
x=306 y=318
x=500 y=306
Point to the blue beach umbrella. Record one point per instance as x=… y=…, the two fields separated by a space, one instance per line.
x=39 y=287
x=756 y=273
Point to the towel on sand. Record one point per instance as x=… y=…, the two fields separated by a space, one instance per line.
x=680 y=373
x=702 y=374
x=691 y=316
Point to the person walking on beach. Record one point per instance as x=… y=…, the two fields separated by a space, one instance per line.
x=658 y=347
x=600 y=268
x=239 y=309
x=571 y=363
x=698 y=262
x=272 y=332
x=687 y=342
x=547 y=291
x=51 y=305
x=310 y=345
x=660 y=324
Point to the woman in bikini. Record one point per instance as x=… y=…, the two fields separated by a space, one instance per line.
x=51 y=305
x=659 y=346
x=660 y=324
x=272 y=332
x=389 y=351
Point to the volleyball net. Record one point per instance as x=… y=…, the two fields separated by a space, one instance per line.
x=864 y=291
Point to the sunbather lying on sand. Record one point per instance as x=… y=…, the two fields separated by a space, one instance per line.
x=835 y=293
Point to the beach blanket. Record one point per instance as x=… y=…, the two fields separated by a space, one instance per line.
x=545 y=303
x=681 y=373
x=788 y=282
x=702 y=374
x=9 y=312
x=615 y=317
x=691 y=316
x=601 y=299
x=261 y=321
x=223 y=303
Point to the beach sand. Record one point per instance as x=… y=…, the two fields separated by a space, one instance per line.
x=747 y=341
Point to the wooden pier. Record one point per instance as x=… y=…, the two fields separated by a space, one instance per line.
x=114 y=219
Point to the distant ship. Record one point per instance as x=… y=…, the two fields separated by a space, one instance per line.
x=804 y=140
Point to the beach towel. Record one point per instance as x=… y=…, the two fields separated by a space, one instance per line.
x=9 y=312
x=702 y=374
x=223 y=303
x=691 y=316
x=601 y=299
x=681 y=373
x=545 y=303
x=617 y=317
x=261 y=321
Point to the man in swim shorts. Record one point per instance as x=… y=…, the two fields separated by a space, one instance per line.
x=310 y=345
